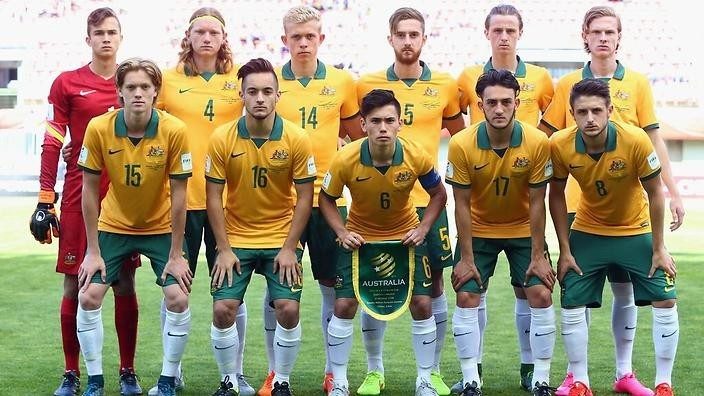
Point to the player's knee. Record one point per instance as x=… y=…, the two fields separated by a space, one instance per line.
x=539 y=296
x=468 y=300
x=224 y=312
x=91 y=299
x=176 y=300
x=421 y=308
x=665 y=303
x=286 y=312
x=345 y=308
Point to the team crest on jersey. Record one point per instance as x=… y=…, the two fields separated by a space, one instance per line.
x=621 y=95
x=328 y=91
x=432 y=92
x=403 y=177
x=280 y=155
x=527 y=87
x=617 y=167
x=521 y=163
x=155 y=151
x=229 y=86
x=70 y=259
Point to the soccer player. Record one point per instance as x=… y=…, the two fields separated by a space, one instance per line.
x=499 y=169
x=615 y=225
x=503 y=28
x=380 y=172
x=632 y=98
x=77 y=96
x=202 y=91
x=429 y=102
x=140 y=148
x=260 y=158
x=322 y=100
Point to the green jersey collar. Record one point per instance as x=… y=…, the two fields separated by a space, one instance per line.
x=618 y=74
x=276 y=131
x=581 y=147
x=149 y=131
x=425 y=75
x=483 y=136
x=365 y=155
x=287 y=71
x=520 y=69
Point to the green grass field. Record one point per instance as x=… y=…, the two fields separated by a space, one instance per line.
x=31 y=360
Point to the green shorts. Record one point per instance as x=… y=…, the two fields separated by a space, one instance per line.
x=322 y=245
x=115 y=248
x=486 y=254
x=343 y=278
x=198 y=227
x=596 y=253
x=614 y=274
x=263 y=261
x=438 y=242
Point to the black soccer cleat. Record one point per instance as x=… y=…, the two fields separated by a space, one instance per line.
x=70 y=384
x=129 y=383
x=281 y=389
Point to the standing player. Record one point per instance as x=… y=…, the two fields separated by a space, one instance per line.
x=76 y=97
x=633 y=101
x=140 y=148
x=615 y=225
x=321 y=100
x=429 y=102
x=260 y=157
x=380 y=172
x=202 y=91
x=503 y=28
x=499 y=170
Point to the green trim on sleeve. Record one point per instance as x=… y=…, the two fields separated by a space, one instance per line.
x=328 y=195
x=458 y=185
x=552 y=128
x=89 y=170
x=559 y=179
x=180 y=175
x=458 y=115
x=650 y=127
x=539 y=185
x=215 y=180
x=304 y=180
x=652 y=175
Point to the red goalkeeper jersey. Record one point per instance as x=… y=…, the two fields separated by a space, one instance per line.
x=75 y=98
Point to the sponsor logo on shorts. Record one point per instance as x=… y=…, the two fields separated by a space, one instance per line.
x=70 y=259
x=338 y=282
x=427 y=284
x=446 y=257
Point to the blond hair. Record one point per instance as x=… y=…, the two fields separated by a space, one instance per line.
x=598 y=12
x=185 y=58
x=137 y=64
x=301 y=14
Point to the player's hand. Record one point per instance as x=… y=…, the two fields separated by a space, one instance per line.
x=92 y=263
x=66 y=152
x=540 y=266
x=350 y=240
x=286 y=264
x=44 y=223
x=464 y=270
x=662 y=259
x=341 y=143
x=566 y=263
x=225 y=261
x=177 y=266
x=677 y=210
x=415 y=237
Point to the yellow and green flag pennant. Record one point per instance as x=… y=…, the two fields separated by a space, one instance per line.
x=382 y=278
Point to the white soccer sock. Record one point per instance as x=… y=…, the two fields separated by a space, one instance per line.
x=241 y=323
x=89 y=328
x=269 y=328
x=287 y=342
x=162 y=313
x=483 y=318
x=575 y=335
x=439 y=306
x=327 y=306
x=465 y=328
x=373 y=338
x=523 y=316
x=624 y=316
x=174 y=338
x=666 y=335
x=542 y=342
x=424 y=340
x=339 y=346
x=225 y=345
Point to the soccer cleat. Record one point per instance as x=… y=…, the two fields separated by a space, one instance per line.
x=226 y=388
x=472 y=389
x=542 y=389
x=372 y=385
x=437 y=380
x=129 y=383
x=579 y=389
x=281 y=389
x=245 y=388
x=664 y=389
x=629 y=384
x=564 y=388
x=70 y=384
x=265 y=390
x=526 y=376
x=179 y=384
x=338 y=390
x=94 y=389
x=425 y=389
x=327 y=383
x=457 y=388
x=165 y=389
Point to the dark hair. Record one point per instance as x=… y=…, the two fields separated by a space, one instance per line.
x=257 y=65
x=97 y=16
x=378 y=98
x=493 y=77
x=590 y=87
x=503 y=9
x=404 y=13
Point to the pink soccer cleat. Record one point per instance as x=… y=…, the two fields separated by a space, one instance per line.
x=629 y=384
